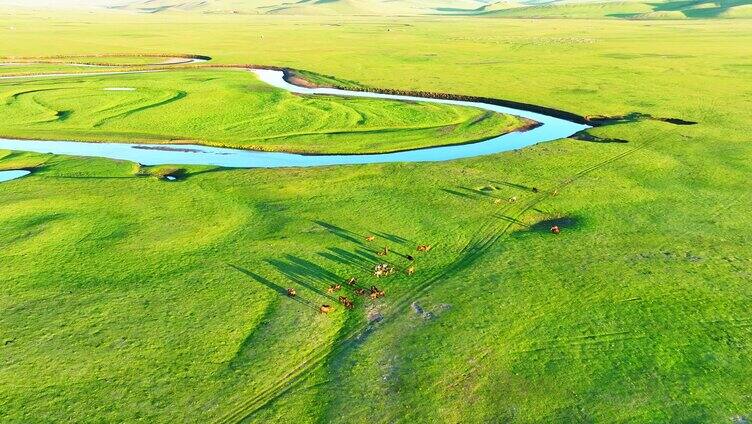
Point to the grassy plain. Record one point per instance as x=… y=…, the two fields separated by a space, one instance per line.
x=230 y=108
x=126 y=297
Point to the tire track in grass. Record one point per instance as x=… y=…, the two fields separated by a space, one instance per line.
x=472 y=252
x=489 y=241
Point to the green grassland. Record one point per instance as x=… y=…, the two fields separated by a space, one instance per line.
x=230 y=108
x=126 y=297
x=13 y=68
x=100 y=60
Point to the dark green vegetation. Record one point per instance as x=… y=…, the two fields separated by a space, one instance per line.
x=640 y=10
x=229 y=108
x=129 y=297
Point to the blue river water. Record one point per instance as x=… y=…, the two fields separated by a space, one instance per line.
x=551 y=128
x=12 y=175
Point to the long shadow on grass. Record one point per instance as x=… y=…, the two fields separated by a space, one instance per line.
x=457 y=193
x=306 y=273
x=513 y=185
x=341 y=232
x=473 y=193
x=393 y=238
x=476 y=192
x=205 y=171
x=360 y=258
x=276 y=287
x=564 y=222
x=363 y=249
x=468 y=193
x=510 y=219
x=245 y=349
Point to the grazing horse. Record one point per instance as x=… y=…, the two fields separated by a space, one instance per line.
x=346 y=302
x=325 y=309
x=383 y=270
x=376 y=293
x=291 y=292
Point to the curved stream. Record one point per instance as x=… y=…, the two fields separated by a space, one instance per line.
x=551 y=128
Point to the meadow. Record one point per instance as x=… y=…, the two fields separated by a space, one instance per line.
x=230 y=108
x=127 y=297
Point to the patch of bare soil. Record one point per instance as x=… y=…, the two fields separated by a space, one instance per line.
x=296 y=79
x=374 y=315
x=429 y=315
x=300 y=81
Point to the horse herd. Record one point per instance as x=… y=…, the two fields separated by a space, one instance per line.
x=379 y=271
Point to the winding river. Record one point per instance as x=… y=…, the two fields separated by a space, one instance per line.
x=13 y=174
x=551 y=128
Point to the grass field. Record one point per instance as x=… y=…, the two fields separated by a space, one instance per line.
x=12 y=68
x=126 y=297
x=230 y=108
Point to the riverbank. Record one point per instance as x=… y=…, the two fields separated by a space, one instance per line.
x=167 y=106
x=169 y=297
x=538 y=128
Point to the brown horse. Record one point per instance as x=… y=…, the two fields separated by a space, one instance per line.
x=344 y=300
x=383 y=270
x=376 y=293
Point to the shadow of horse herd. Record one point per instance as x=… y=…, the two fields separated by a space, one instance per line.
x=369 y=256
x=352 y=286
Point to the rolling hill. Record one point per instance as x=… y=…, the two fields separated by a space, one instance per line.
x=255 y=7
x=679 y=9
x=528 y=9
